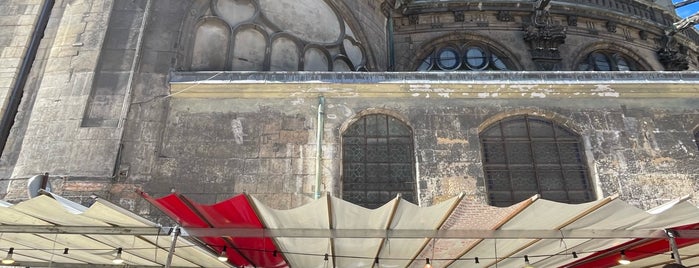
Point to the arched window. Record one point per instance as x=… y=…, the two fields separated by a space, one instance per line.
x=603 y=60
x=469 y=56
x=526 y=155
x=377 y=161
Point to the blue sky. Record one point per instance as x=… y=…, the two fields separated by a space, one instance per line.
x=687 y=10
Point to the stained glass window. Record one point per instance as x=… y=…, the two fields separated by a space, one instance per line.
x=527 y=155
x=377 y=161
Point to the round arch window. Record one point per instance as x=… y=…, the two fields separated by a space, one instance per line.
x=607 y=61
x=467 y=57
x=476 y=58
x=448 y=59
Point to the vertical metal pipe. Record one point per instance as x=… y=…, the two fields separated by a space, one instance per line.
x=8 y=117
x=673 y=245
x=319 y=145
x=171 y=252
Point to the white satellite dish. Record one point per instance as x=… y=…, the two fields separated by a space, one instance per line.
x=34 y=185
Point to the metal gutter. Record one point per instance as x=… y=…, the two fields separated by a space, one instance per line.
x=319 y=146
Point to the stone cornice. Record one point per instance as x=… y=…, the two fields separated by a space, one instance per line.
x=473 y=85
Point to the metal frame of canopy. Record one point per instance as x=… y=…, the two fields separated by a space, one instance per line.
x=404 y=235
x=51 y=231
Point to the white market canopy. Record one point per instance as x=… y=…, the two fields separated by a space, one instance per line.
x=330 y=232
x=42 y=228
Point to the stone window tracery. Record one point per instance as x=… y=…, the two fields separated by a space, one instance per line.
x=602 y=60
x=526 y=155
x=273 y=35
x=467 y=57
x=377 y=161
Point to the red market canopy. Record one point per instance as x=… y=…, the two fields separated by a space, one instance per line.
x=454 y=233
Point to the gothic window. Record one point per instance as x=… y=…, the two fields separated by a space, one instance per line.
x=607 y=61
x=466 y=57
x=527 y=155
x=377 y=161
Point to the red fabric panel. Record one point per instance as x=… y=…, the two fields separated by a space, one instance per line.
x=611 y=256
x=235 y=212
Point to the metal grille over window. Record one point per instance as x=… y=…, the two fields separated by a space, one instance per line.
x=525 y=155
x=377 y=158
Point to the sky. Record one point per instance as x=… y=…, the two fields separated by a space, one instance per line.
x=687 y=10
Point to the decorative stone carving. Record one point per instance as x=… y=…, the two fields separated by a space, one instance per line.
x=414 y=19
x=504 y=15
x=643 y=35
x=673 y=56
x=544 y=37
x=459 y=16
x=611 y=26
x=572 y=20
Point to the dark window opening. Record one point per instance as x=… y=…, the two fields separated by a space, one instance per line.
x=468 y=57
x=607 y=61
x=377 y=161
x=526 y=155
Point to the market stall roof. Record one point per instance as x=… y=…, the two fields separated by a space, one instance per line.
x=454 y=233
x=50 y=231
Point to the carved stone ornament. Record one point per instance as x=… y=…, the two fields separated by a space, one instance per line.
x=544 y=37
x=414 y=19
x=643 y=35
x=504 y=15
x=572 y=20
x=673 y=56
x=611 y=27
x=459 y=16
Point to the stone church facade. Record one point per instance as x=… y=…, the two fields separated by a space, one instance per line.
x=365 y=100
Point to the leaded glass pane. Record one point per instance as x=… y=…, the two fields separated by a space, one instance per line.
x=524 y=180
x=551 y=180
x=576 y=180
x=499 y=181
x=400 y=153
x=533 y=155
x=601 y=62
x=494 y=153
x=514 y=128
x=540 y=129
x=377 y=161
x=559 y=196
x=397 y=128
x=353 y=153
x=356 y=129
x=545 y=153
x=570 y=153
x=519 y=153
x=372 y=125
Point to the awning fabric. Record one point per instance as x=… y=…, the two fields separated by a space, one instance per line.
x=41 y=229
x=452 y=233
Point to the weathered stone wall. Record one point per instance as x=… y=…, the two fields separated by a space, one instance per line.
x=17 y=20
x=502 y=25
x=641 y=150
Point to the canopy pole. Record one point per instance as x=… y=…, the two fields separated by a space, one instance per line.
x=171 y=252
x=673 y=244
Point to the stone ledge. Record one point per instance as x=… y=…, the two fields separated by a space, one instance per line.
x=435 y=84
